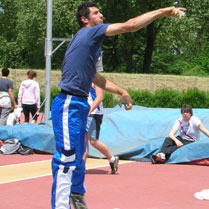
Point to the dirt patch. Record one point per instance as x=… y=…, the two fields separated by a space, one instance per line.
x=157 y=82
x=127 y=81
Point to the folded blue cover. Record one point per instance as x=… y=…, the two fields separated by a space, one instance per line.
x=133 y=135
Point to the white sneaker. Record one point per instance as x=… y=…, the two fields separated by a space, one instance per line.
x=158 y=158
x=114 y=165
x=161 y=155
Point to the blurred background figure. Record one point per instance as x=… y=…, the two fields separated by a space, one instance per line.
x=93 y=127
x=6 y=96
x=29 y=97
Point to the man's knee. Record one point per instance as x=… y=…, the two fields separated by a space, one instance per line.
x=93 y=142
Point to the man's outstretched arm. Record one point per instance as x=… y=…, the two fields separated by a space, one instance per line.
x=143 y=20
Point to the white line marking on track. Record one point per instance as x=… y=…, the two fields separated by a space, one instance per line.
x=5 y=182
x=102 y=166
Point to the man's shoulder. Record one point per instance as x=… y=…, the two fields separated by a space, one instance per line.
x=96 y=27
x=195 y=119
x=6 y=80
x=100 y=27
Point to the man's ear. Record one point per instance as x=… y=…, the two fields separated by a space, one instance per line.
x=84 y=20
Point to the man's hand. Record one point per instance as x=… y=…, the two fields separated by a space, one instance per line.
x=178 y=143
x=16 y=106
x=127 y=101
x=173 y=12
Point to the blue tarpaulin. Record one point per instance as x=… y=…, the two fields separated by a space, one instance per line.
x=39 y=137
x=133 y=135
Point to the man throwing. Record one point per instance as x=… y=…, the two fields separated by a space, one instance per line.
x=70 y=108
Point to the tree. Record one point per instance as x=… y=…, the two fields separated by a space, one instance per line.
x=8 y=21
x=165 y=46
x=179 y=43
x=23 y=31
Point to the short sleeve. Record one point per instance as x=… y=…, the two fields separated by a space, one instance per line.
x=11 y=85
x=176 y=125
x=196 y=121
x=99 y=31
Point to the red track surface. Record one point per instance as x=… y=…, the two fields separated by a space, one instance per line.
x=145 y=186
x=137 y=185
x=15 y=159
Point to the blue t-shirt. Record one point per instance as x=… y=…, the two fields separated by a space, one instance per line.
x=5 y=84
x=78 y=69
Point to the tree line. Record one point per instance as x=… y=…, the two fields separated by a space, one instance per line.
x=167 y=46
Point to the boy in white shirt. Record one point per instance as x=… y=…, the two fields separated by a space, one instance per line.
x=189 y=127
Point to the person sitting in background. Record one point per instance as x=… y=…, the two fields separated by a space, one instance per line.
x=29 y=96
x=93 y=126
x=6 y=96
x=189 y=127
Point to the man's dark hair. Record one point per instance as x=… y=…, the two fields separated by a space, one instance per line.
x=83 y=10
x=5 y=71
x=186 y=108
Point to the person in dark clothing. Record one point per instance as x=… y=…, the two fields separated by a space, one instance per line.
x=6 y=96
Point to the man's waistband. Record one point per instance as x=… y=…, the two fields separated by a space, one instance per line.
x=70 y=93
